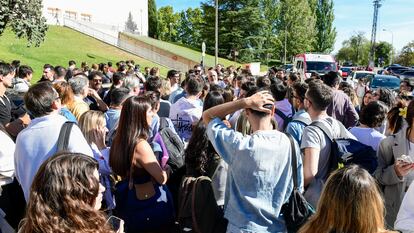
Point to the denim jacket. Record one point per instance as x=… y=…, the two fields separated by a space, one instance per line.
x=259 y=178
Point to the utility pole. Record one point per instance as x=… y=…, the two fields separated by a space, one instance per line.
x=377 y=5
x=216 y=35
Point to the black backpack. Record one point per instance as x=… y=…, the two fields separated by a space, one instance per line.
x=197 y=207
x=174 y=145
x=347 y=151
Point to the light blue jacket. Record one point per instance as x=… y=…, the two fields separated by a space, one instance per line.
x=259 y=176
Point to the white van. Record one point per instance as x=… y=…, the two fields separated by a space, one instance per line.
x=306 y=63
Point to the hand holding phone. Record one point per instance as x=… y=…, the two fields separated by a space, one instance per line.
x=116 y=223
x=403 y=165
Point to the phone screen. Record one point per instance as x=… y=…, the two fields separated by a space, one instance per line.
x=115 y=222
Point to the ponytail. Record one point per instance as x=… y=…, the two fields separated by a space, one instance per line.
x=396 y=117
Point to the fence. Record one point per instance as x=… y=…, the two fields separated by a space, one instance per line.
x=106 y=37
x=130 y=44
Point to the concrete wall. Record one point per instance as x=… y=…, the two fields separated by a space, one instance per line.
x=155 y=54
x=103 y=13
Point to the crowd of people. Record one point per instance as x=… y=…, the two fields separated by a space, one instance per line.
x=117 y=149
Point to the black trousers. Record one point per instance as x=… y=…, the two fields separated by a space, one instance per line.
x=12 y=202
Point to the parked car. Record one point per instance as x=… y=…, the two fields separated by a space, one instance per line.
x=396 y=69
x=407 y=74
x=356 y=75
x=346 y=71
x=385 y=81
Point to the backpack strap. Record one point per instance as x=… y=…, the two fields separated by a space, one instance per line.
x=193 y=212
x=64 y=135
x=324 y=129
x=303 y=120
x=281 y=115
x=163 y=123
x=294 y=162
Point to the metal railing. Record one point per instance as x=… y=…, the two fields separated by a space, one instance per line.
x=146 y=53
x=91 y=31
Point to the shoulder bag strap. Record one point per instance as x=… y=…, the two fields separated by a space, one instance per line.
x=281 y=115
x=196 y=228
x=294 y=162
x=64 y=135
x=324 y=129
x=163 y=123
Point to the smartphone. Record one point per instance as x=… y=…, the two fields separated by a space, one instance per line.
x=116 y=223
x=405 y=160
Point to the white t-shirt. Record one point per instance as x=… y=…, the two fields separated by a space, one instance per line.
x=7 y=148
x=184 y=114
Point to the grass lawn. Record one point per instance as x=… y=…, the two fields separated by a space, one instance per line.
x=61 y=45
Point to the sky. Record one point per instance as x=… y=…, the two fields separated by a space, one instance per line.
x=352 y=16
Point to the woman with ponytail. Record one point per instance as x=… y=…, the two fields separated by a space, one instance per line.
x=395 y=159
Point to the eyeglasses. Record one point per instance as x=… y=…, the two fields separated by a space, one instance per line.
x=197 y=71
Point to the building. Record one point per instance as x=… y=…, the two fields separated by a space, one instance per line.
x=105 y=15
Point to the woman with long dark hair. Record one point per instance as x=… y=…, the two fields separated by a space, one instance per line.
x=66 y=197
x=201 y=159
x=142 y=198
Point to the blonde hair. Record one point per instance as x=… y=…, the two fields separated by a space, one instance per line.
x=350 y=202
x=90 y=121
x=165 y=88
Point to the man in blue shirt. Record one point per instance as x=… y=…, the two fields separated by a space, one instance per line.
x=301 y=117
x=260 y=175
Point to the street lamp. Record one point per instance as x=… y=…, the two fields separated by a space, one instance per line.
x=216 y=35
x=392 y=44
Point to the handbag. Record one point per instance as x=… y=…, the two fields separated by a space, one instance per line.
x=297 y=210
x=143 y=207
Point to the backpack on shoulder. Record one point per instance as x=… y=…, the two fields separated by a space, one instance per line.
x=297 y=210
x=198 y=211
x=347 y=151
x=286 y=119
x=173 y=145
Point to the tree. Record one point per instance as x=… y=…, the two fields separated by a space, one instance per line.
x=189 y=27
x=406 y=57
x=152 y=19
x=270 y=9
x=383 y=53
x=295 y=27
x=167 y=23
x=325 y=32
x=25 y=19
x=355 y=49
x=130 y=25
x=241 y=28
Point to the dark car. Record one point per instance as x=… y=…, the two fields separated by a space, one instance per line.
x=397 y=69
x=385 y=81
x=407 y=74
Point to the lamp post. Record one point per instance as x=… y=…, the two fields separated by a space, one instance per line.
x=284 y=59
x=392 y=45
x=216 y=36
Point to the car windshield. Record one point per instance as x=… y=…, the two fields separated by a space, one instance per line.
x=361 y=75
x=320 y=67
x=392 y=83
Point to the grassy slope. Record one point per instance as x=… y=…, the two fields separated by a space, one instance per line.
x=60 y=46
x=186 y=52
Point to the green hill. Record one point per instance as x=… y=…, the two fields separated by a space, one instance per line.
x=61 y=45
